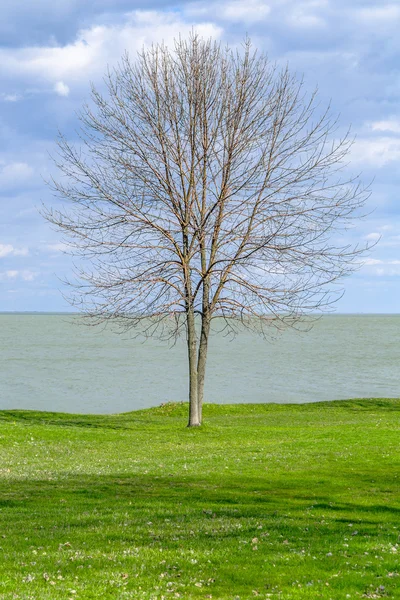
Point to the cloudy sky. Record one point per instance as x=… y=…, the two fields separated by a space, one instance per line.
x=51 y=50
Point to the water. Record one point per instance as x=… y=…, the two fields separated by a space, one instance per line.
x=49 y=363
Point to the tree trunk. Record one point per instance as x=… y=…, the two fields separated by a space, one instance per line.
x=201 y=364
x=194 y=419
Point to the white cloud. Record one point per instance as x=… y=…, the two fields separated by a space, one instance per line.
x=391 y=125
x=373 y=237
x=251 y=11
x=14 y=274
x=61 y=88
x=301 y=19
x=382 y=268
x=86 y=58
x=57 y=247
x=9 y=250
x=5 y=250
x=14 y=173
x=10 y=97
x=21 y=252
x=376 y=152
x=304 y=14
x=248 y=12
x=28 y=275
x=379 y=12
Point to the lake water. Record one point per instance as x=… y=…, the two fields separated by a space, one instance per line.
x=50 y=363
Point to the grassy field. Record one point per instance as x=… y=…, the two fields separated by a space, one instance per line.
x=268 y=501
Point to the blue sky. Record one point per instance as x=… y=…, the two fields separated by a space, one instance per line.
x=50 y=51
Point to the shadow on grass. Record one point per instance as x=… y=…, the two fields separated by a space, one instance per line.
x=124 y=522
x=27 y=417
x=195 y=497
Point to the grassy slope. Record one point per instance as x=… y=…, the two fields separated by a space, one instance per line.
x=264 y=500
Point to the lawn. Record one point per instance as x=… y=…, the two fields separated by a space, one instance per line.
x=267 y=501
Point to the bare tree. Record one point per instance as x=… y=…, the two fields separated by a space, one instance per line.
x=207 y=184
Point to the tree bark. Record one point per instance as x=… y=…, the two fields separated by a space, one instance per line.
x=194 y=418
x=201 y=364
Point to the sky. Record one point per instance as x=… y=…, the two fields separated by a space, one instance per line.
x=51 y=51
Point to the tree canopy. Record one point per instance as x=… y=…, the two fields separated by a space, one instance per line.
x=207 y=184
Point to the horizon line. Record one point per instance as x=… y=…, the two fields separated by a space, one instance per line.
x=64 y=312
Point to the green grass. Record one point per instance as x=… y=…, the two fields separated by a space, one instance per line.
x=268 y=501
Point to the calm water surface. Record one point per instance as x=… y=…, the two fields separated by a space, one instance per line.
x=49 y=363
